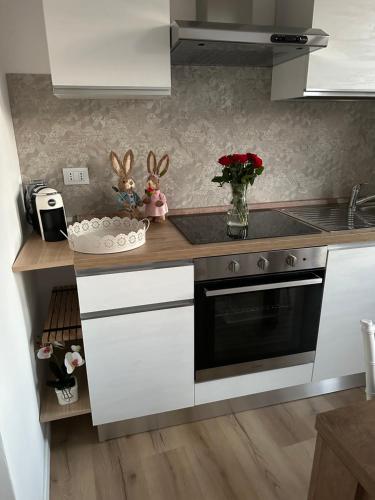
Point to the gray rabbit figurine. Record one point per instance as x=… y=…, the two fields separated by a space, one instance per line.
x=127 y=197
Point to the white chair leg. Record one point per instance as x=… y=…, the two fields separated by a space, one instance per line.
x=368 y=336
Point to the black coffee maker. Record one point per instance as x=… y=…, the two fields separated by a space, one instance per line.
x=45 y=211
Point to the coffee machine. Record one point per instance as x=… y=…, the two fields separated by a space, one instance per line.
x=45 y=211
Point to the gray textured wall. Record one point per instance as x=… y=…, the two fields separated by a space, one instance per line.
x=310 y=149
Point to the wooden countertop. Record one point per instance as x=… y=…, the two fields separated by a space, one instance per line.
x=350 y=433
x=165 y=243
x=39 y=254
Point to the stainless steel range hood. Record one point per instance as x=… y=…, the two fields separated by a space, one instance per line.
x=227 y=44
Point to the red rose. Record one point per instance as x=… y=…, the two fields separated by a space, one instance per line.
x=238 y=158
x=225 y=160
x=255 y=159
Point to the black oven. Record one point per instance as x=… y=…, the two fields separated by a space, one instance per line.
x=256 y=312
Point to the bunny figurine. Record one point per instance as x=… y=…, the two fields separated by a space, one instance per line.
x=126 y=195
x=155 y=201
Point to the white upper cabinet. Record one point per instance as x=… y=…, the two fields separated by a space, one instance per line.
x=348 y=63
x=346 y=68
x=114 y=48
x=349 y=296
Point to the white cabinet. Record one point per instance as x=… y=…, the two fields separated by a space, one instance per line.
x=346 y=67
x=349 y=296
x=135 y=288
x=111 y=48
x=138 y=334
x=348 y=63
x=140 y=364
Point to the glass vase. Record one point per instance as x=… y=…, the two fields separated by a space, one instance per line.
x=238 y=214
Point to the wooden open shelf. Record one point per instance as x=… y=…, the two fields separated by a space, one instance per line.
x=63 y=324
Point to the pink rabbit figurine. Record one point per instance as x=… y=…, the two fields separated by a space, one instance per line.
x=154 y=200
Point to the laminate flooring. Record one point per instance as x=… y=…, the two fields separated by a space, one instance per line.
x=262 y=454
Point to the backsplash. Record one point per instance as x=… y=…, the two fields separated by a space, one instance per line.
x=315 y=149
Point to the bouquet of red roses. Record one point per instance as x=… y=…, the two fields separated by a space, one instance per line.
x=239 y=169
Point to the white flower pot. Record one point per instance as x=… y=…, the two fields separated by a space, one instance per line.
x=69 y=395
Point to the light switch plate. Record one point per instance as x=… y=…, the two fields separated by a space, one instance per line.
x=76 y=175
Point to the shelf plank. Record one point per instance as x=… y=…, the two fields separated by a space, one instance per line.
x=63 y=322
x=50 y=409
x=39 y=254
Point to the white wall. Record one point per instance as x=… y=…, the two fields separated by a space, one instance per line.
x=183 y=10
x=22 y=436
x=6 y=488
x=23 y=46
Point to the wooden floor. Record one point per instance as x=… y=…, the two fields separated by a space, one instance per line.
x=263 y=454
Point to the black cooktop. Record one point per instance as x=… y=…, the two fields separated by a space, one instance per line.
x=212 y=227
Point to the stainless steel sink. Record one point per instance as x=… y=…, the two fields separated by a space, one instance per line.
x=335 y=217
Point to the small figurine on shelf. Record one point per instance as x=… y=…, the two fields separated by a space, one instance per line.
x=155 y=201
x=127 y=198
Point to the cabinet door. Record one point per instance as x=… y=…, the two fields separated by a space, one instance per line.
x=139 y=364
x=349 y=296
x=117 y=45
x=348 y=63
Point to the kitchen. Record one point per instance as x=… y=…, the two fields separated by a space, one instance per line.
x=163 y=385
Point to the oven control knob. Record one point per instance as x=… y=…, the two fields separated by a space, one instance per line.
x=234 y=266
x=291 y=260
x=263 y=263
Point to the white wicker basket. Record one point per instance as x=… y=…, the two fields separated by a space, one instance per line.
x=107 y=235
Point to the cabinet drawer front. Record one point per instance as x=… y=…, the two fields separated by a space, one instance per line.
x=104 y=292
x=253 y=383
x=140 y=364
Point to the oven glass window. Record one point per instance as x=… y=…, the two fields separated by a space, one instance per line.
x=257 y=325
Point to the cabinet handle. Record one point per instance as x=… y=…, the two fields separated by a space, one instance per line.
x=259 y=288
x=137 y=309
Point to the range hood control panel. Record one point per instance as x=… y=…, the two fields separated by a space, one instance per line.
x=279 y=38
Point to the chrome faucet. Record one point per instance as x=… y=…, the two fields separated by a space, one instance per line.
x=355 y=201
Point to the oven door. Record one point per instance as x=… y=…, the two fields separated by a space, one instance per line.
x=245 y=325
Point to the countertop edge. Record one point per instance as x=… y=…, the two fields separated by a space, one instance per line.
x=166 y=244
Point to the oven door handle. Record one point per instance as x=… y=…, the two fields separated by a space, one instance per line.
x=258 y=288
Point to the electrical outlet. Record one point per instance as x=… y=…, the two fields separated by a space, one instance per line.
x=76 y=175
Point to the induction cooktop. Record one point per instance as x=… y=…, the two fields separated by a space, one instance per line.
x=212 y=228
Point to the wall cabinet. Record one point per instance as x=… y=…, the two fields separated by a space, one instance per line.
x=349 y=296
x=348 y=63
x=346 y=67
x=108 y=49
